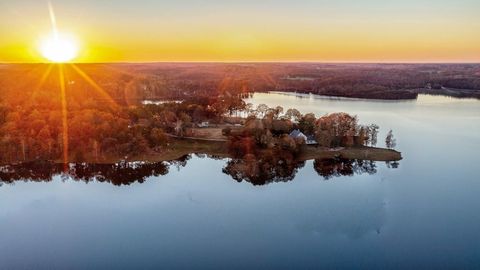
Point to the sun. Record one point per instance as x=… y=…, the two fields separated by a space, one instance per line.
x=59 y=48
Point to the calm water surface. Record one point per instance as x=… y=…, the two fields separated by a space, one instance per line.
x=425 y=213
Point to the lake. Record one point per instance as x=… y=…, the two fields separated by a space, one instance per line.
x=423 y=214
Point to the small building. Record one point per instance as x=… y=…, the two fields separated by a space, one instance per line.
x=310 y=139
x=295 y=134
x=204 y=124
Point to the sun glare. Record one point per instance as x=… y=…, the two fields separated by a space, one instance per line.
x=59 y=48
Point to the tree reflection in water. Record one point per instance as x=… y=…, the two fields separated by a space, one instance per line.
x=278 y=169
x=328 y=168
x=263 y=170
x=257 y=170
x=122 y=173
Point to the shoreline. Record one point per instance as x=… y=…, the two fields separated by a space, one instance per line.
x=182 y=147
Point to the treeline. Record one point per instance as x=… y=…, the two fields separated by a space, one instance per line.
x=38 y=122
x=130 y=84
x=375 y=81
x=29 y=133
x=96 y=133
x=381 y=81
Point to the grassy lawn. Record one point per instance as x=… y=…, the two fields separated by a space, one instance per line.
x=208 y=133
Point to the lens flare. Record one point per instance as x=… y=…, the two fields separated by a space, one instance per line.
x=59 y=48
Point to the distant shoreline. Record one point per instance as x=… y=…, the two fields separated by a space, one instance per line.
x=358 y=80
x=339 y=98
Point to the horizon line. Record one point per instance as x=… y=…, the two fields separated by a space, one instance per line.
x=252 y=62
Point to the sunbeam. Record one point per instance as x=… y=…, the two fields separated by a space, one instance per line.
x=99 y=89
x=53 y=20
x=64 y=115
x=26 y=78
x=42 y=81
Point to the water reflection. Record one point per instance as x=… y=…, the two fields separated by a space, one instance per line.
x=255 y=170
x=353 y=219
x=262 y=171
x=123 y=173
x=328 y=168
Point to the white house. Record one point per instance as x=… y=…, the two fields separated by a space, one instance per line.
x=307 y=139
x=298 y=134
x=204 y=124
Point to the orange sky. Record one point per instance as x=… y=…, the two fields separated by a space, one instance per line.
x=282 y=30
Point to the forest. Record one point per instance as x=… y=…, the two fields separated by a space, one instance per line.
x=129 y=84
x=86 y=122
x=371 y=81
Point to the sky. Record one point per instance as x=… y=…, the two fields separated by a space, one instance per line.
x=231 y=31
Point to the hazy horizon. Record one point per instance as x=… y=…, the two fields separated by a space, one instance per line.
x=376 y=31
x=256 y=62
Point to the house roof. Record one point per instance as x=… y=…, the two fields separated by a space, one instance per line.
x=296 y=133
